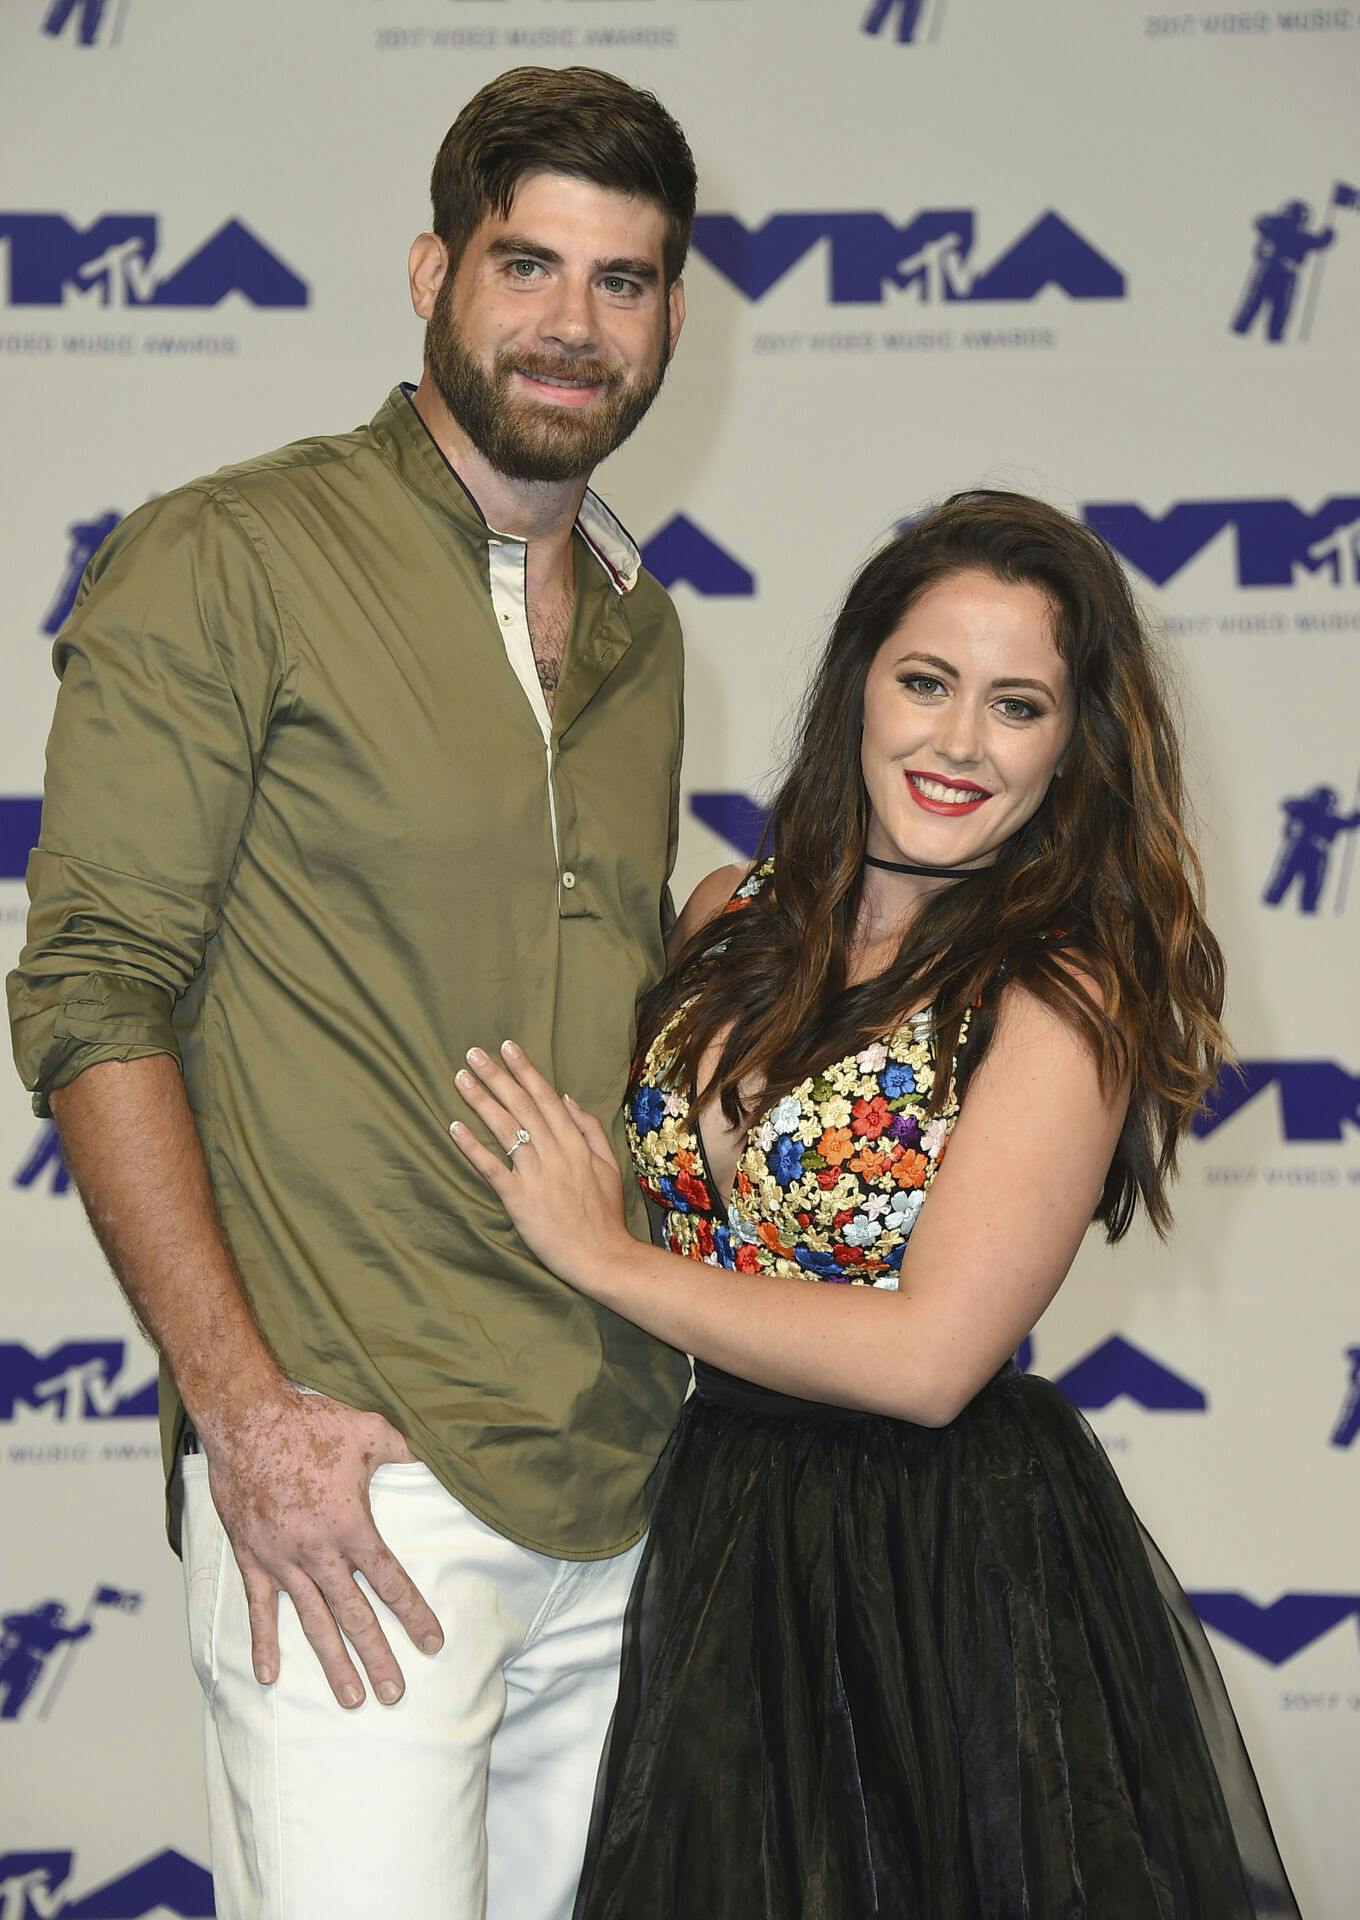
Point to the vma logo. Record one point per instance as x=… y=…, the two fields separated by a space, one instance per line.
x=33 y=1887
x=79 y=1381
x=47 y=261
x=1317 y=1098
x=1276 y=543
x=905 y=21
x=29 y=1640
x=682 y=554
x=46 y=1165
x=1119 y=1370
x=734 y=817
x=930 y=258
x=1278 y=1632
x=1348 y=1420
x=85 y=23
x=19 y=819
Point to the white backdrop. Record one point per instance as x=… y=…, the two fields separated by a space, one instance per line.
x=943 y=243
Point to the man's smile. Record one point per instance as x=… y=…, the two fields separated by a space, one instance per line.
x=559 y=390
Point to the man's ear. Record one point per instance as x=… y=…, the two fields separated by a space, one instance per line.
x=675 y=300
x=427 y=267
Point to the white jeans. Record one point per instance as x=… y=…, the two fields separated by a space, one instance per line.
x=469 y=1799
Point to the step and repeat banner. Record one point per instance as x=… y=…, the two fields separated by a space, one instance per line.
x=1092 y=251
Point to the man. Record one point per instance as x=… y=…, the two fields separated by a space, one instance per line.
x=366 y=751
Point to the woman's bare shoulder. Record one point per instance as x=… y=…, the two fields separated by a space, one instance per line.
x=707 y=900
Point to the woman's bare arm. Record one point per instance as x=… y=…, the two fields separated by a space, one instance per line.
x=1007 y=1211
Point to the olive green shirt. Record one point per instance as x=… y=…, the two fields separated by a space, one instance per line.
x=309 y=828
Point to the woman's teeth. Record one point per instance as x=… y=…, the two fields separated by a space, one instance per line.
x=950 y=796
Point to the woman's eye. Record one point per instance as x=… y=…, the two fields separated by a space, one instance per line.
x=924 y=683
x=1020 y=709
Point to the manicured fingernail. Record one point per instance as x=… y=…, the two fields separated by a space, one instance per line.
x=567 y=1097
x=389 y=1692
x=431 y=1643
x=462 y=1078
x=455 y=1127
x=352 y=1696
x=476 y=1056
x=509 y=1049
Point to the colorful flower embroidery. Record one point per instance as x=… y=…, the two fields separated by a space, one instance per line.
x=871 y=1116
x=836 y=1145
x=831 y=1180
x=912 y=1170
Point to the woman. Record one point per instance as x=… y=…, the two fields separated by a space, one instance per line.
x=899 y=1646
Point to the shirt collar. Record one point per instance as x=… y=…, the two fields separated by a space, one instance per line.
x=421 y=463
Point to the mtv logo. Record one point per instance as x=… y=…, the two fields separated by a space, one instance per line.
x=734 y=817
x=930 y=257
x=1318 y=1098
x=78 y=1381
x=682 y=554
x=32 y=1888
x=1281 y=1630
x=1338 y=556
x=1119 y=1370
x=48 y=261
x=1276 y=543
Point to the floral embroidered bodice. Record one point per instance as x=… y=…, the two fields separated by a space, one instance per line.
x=829 y=1182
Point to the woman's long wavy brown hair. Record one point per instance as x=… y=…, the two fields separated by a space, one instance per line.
x=1095 y=905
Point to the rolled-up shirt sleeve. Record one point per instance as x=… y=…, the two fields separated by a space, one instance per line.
x=172 y=668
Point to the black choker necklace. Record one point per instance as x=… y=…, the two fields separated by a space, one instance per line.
x=926 y=873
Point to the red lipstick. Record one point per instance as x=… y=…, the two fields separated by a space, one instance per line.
x=912 y=774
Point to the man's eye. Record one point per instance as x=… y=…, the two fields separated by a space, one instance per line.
x=614 y=283
x=523 y=269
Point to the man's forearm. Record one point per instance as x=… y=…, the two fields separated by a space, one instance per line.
x=130 y=1141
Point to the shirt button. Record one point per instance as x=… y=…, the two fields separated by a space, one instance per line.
x=568 y=879
x=506 y=618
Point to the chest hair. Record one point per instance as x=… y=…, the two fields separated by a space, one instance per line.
x=549 y=627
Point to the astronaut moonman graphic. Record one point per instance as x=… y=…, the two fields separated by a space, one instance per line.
x=26 y=1640
x=1283 y=244
x=1312 y=823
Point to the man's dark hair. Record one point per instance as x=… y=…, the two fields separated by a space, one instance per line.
x=572 y=120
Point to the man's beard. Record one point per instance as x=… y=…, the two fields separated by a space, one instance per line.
x=521 y=438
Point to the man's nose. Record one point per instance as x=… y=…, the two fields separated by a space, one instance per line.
x=568 y=317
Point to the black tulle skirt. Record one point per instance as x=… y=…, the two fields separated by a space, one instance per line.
x=875 y=1671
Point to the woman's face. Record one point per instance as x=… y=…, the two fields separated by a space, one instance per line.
x=967 y=714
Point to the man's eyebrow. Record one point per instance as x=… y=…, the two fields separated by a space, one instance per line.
x=635 y=269
x=515 y=246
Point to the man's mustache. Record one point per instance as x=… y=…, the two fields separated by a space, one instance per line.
x=589 y=372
